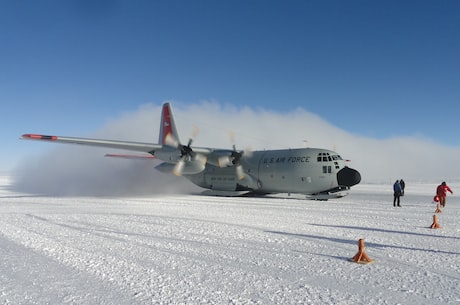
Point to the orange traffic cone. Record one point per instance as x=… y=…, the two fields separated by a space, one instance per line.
x=438 y=209
x=435 y=224
x=361 y=257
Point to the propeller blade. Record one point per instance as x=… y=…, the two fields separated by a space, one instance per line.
x=202 y=158
x=224 y=161
x=195 y=132
x=192 y=136
x=179 y=167
x=240 y=172
x=231 y=136
x=248 y=152
x=170 y=140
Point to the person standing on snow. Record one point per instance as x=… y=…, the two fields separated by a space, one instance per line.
x=403 y=186
x=397 y=193
x=441 y=192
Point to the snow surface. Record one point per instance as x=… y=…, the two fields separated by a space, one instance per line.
x=191 y=249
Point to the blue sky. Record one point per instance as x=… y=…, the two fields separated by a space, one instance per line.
x=377 y=69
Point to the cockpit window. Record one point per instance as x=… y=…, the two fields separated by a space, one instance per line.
x=322 y=157
x=326 y=157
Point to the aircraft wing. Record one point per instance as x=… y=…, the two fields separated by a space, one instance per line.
x=126 y=145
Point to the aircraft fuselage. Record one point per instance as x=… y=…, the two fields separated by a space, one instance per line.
x=303 y=170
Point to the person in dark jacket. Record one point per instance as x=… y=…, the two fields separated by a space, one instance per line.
x=403 y=186
x=397 y=193
x=441 y=192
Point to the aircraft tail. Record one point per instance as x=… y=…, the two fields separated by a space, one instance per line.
x=167 y=127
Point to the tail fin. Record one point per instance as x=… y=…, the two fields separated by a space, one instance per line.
x=167 y=124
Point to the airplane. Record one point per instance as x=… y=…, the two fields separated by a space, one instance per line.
x=320 y=174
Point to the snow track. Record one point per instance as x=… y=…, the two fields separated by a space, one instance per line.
x=192 y=250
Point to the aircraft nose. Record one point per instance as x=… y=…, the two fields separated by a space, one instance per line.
x=348 y=177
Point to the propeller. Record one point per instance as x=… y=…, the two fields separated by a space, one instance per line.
x=234 y=159
x=186 y=151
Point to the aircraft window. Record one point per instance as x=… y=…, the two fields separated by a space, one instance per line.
x=320 y=157
x=325 y=157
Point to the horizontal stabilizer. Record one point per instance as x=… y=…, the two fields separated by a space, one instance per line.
x=126 y=156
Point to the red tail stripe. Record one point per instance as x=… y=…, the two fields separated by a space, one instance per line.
x=166 y=123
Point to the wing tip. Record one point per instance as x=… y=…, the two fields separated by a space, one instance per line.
x=33 y=136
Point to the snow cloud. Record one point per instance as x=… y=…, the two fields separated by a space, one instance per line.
x=76 y=170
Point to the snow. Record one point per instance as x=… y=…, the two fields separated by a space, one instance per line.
x=191 y=249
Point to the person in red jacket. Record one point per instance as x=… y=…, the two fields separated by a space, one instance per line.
x=441 y=192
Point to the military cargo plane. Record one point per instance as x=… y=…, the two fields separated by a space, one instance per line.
x=317 y=173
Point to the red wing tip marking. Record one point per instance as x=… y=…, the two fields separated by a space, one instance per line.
x=39 y=137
